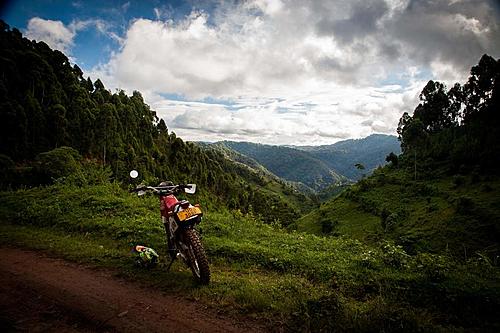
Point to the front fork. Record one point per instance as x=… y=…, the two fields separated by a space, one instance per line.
x=172 y=249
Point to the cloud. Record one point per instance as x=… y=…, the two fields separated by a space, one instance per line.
x=54 y=33
x=454 y=33
x=289 y=71
x=362 y=21
x=60 y=36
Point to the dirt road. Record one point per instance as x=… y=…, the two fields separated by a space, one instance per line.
x=42 y=294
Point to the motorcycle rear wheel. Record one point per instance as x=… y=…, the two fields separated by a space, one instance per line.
x=198 y=261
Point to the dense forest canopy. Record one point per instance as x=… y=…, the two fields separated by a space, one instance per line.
x=458 y=127
x=47 y=104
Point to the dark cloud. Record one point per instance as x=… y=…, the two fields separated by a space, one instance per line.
x=452 y=32
x=456 y=32
x=361 y=22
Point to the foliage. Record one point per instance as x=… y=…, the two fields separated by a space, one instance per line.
x=302 y=280
x=458 y=126
x=369 y=151
x=393 y=159
x=57 y=163
x=289 y=163
x=48 y=106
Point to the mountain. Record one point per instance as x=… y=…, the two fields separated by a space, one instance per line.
x=289 y=163
x=315 y=168
x=442 y=194
x=56 y=124
x=342 y=156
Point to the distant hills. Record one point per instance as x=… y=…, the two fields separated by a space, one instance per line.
x=314 y=168
x=343 y=155
x=442 y=194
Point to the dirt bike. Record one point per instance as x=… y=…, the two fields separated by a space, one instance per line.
x=179 y=219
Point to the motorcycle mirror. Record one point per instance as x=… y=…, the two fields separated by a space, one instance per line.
x=134 y=174
x=191 y=189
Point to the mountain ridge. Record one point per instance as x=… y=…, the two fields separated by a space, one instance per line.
x=314 y=168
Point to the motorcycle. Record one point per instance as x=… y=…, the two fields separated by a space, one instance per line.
x=180 y=219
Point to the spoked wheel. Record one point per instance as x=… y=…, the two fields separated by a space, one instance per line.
x=198 y=261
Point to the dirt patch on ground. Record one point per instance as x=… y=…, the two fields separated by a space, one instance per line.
x=43 y=294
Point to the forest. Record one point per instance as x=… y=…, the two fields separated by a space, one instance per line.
x=57 y=122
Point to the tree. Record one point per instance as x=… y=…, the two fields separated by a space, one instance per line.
x=412 y=135
x=433 y=111
x=393 y=159
x=57 y=125
x=162 y=127
x=481 y=92
x=359 y=166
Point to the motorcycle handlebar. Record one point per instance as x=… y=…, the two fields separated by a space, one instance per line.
x=160 y=189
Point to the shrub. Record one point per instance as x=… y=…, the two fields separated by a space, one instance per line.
x=393 y=159
x=327 y=225
x=57 y=163
x=390 y=220
x=395 y=256
x=91 y=173
x=423 y=189
x=434 y=267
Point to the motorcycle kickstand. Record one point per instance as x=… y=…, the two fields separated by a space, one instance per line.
x=171 y=262
x=173 y=259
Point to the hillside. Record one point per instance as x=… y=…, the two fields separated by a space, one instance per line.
x=296 y=195
x=56 y=123
x=460 y=214
x=343 y=155
x=317 y=169
x=290 y=164
x=292 y=281
x=443 y=193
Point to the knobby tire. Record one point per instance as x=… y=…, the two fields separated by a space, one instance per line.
x=199 y=256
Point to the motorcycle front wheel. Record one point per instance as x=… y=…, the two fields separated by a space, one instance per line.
x=198 y=261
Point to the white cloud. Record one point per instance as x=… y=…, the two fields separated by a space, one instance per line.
x=54 y=33
x=293 y=72
x=60 y=36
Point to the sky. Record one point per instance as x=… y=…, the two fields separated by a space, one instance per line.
x=269 y=71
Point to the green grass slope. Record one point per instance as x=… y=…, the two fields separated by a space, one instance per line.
x=294 y=281
x=458 y=213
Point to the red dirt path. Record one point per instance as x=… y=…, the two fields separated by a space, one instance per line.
x=42 y=294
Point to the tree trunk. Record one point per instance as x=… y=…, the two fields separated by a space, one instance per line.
x=415 y=162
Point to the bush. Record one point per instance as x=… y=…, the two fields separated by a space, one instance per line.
x=434 y=267
x=327 y=225
x=393 y=159
x=57 y=163
x=389 y=220
x=424 y=190
x=395 y=256
x=91 y=173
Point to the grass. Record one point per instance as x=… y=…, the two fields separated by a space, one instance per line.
x=460 y=214
x=296 y=280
